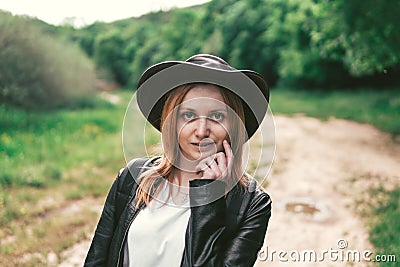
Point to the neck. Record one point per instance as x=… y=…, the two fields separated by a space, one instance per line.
x=184 y=172
x=182 y=178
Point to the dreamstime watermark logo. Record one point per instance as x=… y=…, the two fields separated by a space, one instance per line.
x=339 y=254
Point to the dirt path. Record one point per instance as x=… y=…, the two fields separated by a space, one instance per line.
x=320 y=175
x=318 y=183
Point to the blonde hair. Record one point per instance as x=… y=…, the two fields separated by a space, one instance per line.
x=165 y=167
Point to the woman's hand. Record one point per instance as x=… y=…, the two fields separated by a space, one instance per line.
x=218 y=166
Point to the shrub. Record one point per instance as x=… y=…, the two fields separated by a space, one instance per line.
x=37 y=70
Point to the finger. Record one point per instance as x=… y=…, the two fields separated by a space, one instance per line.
x=228 y=152
x=221 y=160
x=209 y=168
x=227 y=148
x=205 y=162
x=208 y=173
x=216 y=172
x=201 y=166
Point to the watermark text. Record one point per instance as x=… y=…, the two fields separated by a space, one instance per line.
x=339 y=254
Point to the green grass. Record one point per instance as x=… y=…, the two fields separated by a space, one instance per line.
x=385 y=231
x=379 y=107
x=77 y=148
x=38 y=147
x=50 y=159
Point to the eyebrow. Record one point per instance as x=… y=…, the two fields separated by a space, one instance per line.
x=185 y=108
x=214 y=110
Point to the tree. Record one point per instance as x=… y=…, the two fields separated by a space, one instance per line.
x=245 y=41
x=182 y=34
x=109 y=53
x=364 y=33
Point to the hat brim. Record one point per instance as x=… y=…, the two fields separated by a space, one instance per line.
x=158 y=80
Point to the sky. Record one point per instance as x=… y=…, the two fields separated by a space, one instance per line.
x=88 y=11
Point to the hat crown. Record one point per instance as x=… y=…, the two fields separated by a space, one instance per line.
x=210 y=61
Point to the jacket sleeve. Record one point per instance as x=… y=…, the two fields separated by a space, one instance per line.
x=98 y=251
x=207 y=243
x=244 y=247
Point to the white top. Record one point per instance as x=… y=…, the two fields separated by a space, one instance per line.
x=157 y=235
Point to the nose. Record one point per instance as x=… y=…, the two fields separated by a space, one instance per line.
x=202 y=128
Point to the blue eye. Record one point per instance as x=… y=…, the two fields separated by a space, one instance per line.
x=188 y=115
x=217 y=116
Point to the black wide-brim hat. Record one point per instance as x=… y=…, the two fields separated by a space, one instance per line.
x=158 y=80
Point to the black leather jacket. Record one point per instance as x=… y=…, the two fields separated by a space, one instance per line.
x=227 y=232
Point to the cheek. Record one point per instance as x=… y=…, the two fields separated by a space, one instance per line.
x=183 y=132
x=222 y=131
x=220 y=136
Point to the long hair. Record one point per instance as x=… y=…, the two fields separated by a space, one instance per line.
x=165 y=167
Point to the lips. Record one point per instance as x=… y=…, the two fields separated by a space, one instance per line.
x=202 y=144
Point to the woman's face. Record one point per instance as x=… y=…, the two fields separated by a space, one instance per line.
x=202 y=121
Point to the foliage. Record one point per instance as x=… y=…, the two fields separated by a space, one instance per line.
x=37 y=70
x=298 y=42
x=182 y=34
x=362 y=33
x=317 y=45
x=87 y=36
x=385 y=232
x=144 y=49
x=306 y=43
x=246 y=44
x=110 y=54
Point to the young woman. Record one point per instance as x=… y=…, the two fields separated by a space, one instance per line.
x=195 y=205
